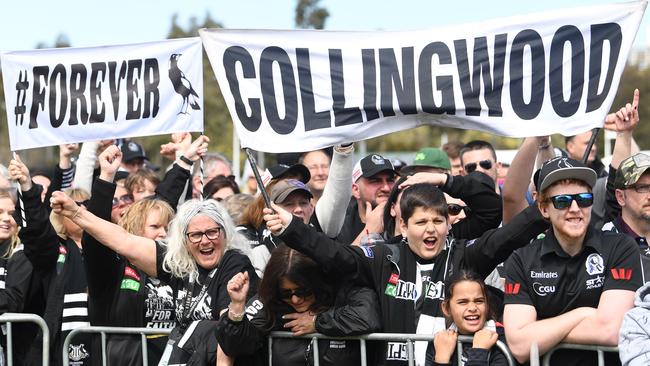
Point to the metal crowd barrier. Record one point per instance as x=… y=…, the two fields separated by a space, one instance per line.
x=600 y=350
x=113 y=330
x=403 y=337
x=26 y=318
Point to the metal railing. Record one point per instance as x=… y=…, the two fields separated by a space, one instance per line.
x=402 y=337
x=600 y=350
x=9 y=318
x=143 y=332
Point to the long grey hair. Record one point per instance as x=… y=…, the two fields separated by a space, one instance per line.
x=178 y=259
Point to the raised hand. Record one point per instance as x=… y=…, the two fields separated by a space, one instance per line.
x=19 y=172
x=278 y=220
x=179 y=142
x=109 y=162
x=63 y=205
x=626 y=118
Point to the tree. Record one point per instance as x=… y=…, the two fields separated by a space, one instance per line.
x=310 y=15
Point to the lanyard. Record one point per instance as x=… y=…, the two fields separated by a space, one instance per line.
x=188 y=304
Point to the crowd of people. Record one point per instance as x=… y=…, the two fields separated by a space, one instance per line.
x=551 y=252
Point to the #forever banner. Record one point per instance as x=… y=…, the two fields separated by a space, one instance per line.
x=535 y=74
x=65 y=95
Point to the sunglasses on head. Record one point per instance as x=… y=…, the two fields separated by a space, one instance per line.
x=126 y=199
x=563 y=201
x=301 y=292
x=455 y=209
x=485 y=164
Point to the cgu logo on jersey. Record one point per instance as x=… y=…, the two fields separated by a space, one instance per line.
x=77 y=353
x=131 y=280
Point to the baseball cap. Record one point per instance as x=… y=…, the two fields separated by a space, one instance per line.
x=429 y=157
x=631 y=169
x=132 y=150
x=284 y=188
x=282 y=170
x=560 y=168
x=371 y=165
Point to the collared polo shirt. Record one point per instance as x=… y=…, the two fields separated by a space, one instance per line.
x=544 y=276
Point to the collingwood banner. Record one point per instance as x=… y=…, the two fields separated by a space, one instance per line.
x=64 y=95
x=530 y=75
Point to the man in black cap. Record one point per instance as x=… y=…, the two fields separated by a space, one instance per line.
x=133 y=156
x=573 y=284
x=372 y=179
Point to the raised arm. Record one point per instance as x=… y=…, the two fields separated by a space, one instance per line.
x=330 y=208
x=138 y=250
x=172 y=187
x=39 y=237
x=518 y=177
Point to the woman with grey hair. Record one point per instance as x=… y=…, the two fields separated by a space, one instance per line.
x=203 y=252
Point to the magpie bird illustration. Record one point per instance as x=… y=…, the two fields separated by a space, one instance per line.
x=182 y=86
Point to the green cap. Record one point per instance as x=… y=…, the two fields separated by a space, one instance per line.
x=631 y=169
x=430 y=157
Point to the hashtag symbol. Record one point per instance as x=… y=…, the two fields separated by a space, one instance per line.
x=21 y=94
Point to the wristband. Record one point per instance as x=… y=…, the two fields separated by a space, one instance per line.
x=185 y=160
x=234 y=316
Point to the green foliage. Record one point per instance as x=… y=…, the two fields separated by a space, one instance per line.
x=310 y=15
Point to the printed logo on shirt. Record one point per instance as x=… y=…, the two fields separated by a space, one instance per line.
x=596 y=282
x=394 y=277
x=543 y=290
x=77 y=353
x=337 y=344
x=132 y=273
x=622 y=273
x=396 y=351
x=62 y=253
x=368 y=251
x=129 y=284
x=404 y=290
x=512 y=288
x=435 y=290
x=594 y=264
x=543 y=274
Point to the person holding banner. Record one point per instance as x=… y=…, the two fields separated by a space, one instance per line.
x=59 y=274
x=203 y=252
x=409 y=278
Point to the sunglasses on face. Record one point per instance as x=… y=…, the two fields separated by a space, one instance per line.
x=455 y=209
x=300 y=292
x=563 y=201
x=126 y=199
x=197 y=236
x=485 y=164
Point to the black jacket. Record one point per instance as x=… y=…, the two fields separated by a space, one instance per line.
x=391 y=269
x=58 y=279
x=355 y=312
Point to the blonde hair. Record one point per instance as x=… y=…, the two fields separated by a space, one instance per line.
x=178 y=259
x=137 y=179
x=14 y=241
x=77 y=194
x=135 y=216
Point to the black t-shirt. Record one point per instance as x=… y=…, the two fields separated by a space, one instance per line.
x=209 y=293
x=544 y=276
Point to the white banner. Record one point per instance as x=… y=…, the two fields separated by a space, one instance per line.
x=536 y=74
x=65 y=95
